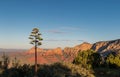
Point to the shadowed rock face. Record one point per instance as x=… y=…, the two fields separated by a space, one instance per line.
x=107 y=46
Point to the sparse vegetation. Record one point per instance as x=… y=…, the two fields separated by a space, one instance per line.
x=86 y=64
x=53 y=70
x=6 y=61
x=93 y=61
x=113 y=61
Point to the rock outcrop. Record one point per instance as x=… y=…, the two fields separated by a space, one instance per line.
x=107 y=47
x=76 y=49
x=83 y=46
x=71 y=52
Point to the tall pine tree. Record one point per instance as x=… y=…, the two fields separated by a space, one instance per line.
x=36 y=41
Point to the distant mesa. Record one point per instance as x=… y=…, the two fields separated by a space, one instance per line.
x=83 y=46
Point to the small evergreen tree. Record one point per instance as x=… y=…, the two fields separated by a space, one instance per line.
x=113 y=61
x=15 y=62
x=95 y=60
x=6 y=61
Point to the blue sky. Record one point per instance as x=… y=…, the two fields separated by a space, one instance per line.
x=61 y=22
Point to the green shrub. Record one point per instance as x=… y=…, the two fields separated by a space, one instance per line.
x=88 y=59
x=113 y=61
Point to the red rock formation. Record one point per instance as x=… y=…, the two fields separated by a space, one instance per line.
x=46 y=56
x=69 y=53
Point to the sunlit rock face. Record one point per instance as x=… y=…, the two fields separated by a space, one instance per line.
x=74 y=50
x=83 y=46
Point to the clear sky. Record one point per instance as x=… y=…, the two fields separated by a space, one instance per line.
x=61 y=22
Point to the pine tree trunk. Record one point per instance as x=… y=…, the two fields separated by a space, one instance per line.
x=35 y=60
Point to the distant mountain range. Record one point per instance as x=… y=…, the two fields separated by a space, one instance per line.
x=11 y=50
x=67 y=54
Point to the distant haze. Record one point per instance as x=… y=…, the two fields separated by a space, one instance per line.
x=12 y=50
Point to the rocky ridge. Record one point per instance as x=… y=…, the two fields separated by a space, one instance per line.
x=69 y=53
x=48 y=56
x=107 y=46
